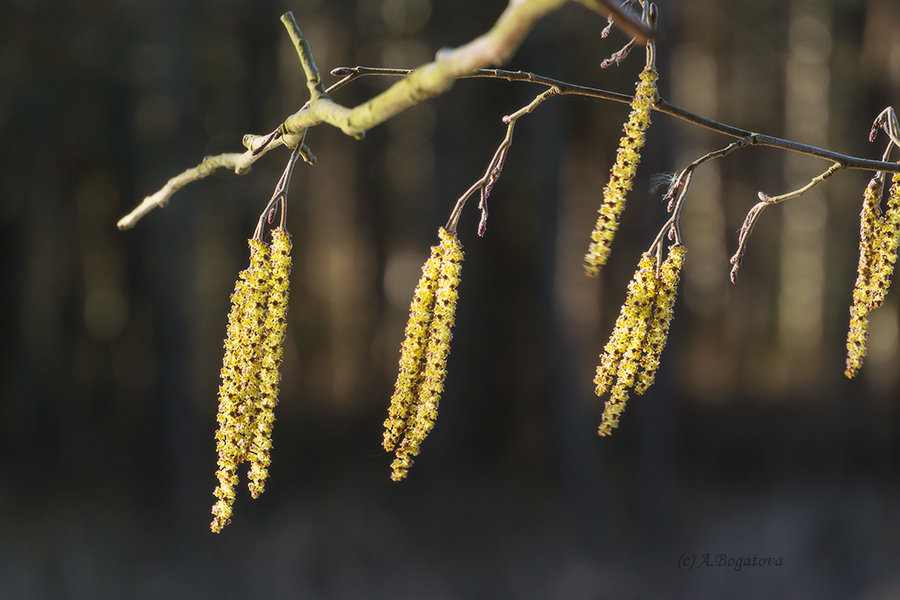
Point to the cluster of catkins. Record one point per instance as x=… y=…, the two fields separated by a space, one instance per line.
x=423 y=355
x=250 y=378
x=631 y=356
x=878 y=238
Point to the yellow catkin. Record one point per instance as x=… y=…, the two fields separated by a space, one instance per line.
x=239 y=390
x=620 y=338
x=622 y=172
x=431 y=384
x=888 y=230
x=612 y=411
x=272 y=347
x=856 y=336
x=226 y=440
x=870 y=225
x=630 y=342
x=663 y=311
x=412 y=350
x=252 y=347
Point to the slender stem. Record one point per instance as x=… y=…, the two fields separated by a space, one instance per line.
x=744 y=235
x=486 y=182
x=649 y=16
x=766 y=201
x=678 y=190
x=662 y=106
x=834 y=168
x=887 y=121
x=313 y=79
x=279 y=195
x=626 y=21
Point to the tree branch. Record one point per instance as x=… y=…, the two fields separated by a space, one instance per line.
x=429 y=80
x=433 y=79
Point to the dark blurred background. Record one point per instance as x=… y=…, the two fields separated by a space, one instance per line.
x=751 y=442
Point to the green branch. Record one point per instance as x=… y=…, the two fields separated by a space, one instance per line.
x=434 y=78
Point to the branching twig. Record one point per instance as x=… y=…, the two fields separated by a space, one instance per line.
x=486 y=182
x=766 y=201
x=616 y=58
x=429 y=80
x=800 y=191
x=621 y=18
x=278 y=195
x=678 y=189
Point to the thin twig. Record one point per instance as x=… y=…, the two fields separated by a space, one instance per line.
x=766 y=201
x=279 y=195
x=663 y=106
x=616 y=58
x=313 y=79
x=834 y=168
x=744 y=236
x=486 y=182
x=622 y=19
x=678 y=189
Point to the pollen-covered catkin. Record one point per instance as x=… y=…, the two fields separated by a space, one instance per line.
x=856 y=336
x=888 y=231
x=412 y=351
x=272 y=347
x=434 y=367
x=620 y=338
x=252 y=347
x=622 y=173
x=663 y=310
x=631 y=356
x=238 y=394
x=868 y=285
x=229 y=410
x=626 y=343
